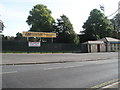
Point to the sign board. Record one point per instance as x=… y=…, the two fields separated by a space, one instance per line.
x=39 y=34
x=34 y=44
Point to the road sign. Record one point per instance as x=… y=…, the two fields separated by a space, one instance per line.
x=34 y=44
x=39 y=34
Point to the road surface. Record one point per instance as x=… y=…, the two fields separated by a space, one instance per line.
x=88 y=74
x=30 y=58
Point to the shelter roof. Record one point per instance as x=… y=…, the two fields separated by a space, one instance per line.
x=109 y=39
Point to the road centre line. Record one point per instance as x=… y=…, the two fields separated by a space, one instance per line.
x=52 y=68
x=8 y=72
x=62 y=67
x=103 y=62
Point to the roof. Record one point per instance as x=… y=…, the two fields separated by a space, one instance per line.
x=101 y=41
x=109 y=39
x=93 y=42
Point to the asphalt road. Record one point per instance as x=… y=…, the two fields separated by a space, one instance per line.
x=46 y=58
x=60 y=75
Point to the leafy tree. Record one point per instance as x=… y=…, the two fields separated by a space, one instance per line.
x=3 y=37
x=1 y=25
x=40 y=19
x=65 y=31
x=97 y=26
x=19 y=35
x=8 y=37
x=116 y=23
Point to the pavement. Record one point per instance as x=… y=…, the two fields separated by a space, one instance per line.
x=38 y=58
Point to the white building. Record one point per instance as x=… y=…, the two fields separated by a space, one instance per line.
x=106 y=44
x=93 y=46
x=112 y=44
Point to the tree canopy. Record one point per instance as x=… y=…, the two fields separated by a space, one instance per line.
x=65 y=31
x=97 y=26
x=116 y=23
x=40 y=19
x=1 y=25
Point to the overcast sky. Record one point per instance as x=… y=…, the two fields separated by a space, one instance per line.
x=14 y=13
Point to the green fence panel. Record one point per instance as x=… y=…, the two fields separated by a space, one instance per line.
x=22 y=46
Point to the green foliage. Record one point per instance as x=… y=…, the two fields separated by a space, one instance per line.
x=40 y=19
x=116 y=23
x=97 y=26
x=19 y=35
x=65 y=31
x=1 y=25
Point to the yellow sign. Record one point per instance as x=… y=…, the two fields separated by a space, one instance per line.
x=39 y=34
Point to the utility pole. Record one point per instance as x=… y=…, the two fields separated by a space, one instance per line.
x=119 y=7
x=119 y=19
x=102 y=7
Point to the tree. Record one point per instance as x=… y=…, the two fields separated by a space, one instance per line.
x=40 y=19
x=65 y=31
x=97 y=26
x=1 y=26
x=18 y=36
x=116 y=23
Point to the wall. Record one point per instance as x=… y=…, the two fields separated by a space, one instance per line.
x=93 y=47
x=115 y=47
x=97 y=48
x=102 y=47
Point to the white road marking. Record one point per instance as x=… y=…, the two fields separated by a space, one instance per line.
x=108 y=86
x=8 y=72
x=104 y=62
x=62 y=67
